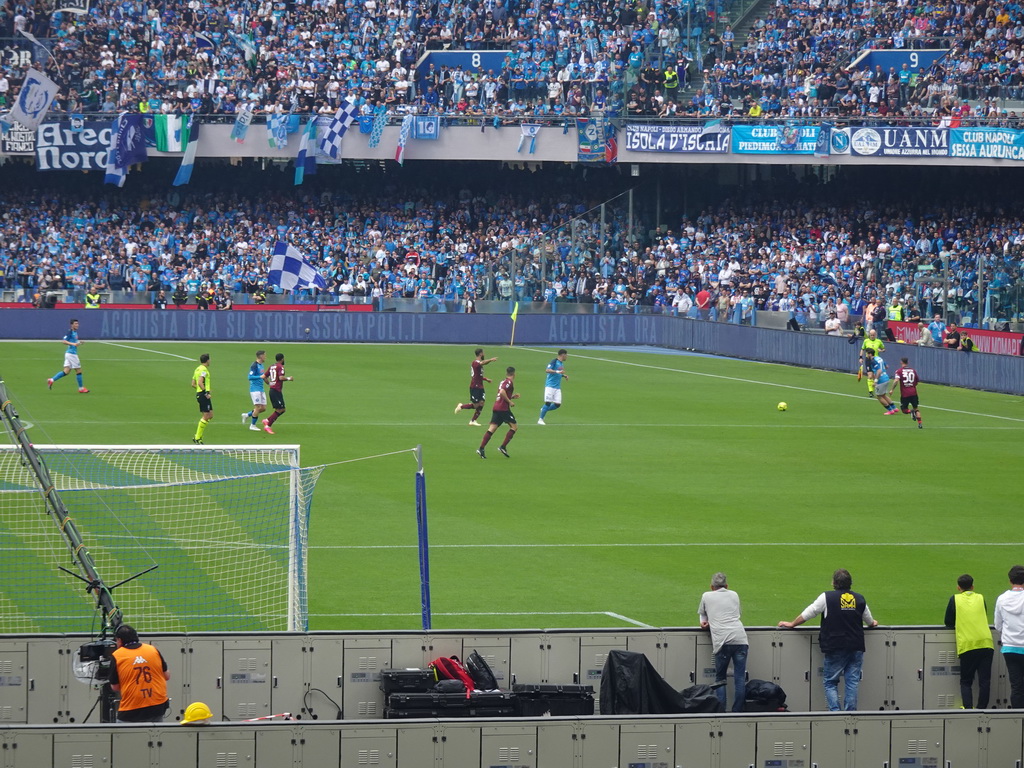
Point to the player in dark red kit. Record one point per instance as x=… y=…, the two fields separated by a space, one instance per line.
x=502 y=413
x=276 y=378
x=908 y=381
x=476 y=387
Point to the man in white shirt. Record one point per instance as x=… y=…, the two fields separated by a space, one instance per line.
x=720 y=612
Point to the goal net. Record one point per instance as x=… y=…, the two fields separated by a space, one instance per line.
x=226 y=526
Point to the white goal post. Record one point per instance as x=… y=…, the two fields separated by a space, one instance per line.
x=226 y=525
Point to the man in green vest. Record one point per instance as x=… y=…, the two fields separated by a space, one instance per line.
x=92 y=298
x=968 y=615
x=895 y=311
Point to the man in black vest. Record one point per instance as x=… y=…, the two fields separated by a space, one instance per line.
x=844 y=614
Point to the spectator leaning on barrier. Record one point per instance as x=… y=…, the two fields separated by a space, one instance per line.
x=719 y=612
x=967 y=615
x=1009 y=623
x=844 y=614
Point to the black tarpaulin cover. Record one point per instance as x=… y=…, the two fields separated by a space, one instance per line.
x=631 y=686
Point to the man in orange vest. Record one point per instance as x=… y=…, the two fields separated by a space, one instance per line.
x=140 y=675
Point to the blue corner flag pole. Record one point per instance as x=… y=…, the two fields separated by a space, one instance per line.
x=424 y=541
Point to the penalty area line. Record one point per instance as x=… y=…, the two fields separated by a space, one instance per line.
x=610 y=614
x=677 y=544
x=143 y=349
x=766 y=383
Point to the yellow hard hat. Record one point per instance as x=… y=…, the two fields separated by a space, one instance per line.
x=195 y=713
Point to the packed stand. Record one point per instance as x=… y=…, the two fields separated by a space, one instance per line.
x=796 y=63
x=447 y=248
x=566 y=56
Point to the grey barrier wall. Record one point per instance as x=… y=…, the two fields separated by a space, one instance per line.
x=997 y=373
x=336 y=676
x=965 y=739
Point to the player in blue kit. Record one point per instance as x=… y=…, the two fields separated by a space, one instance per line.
x=259 y=397
x=875 y=368
x=553 y=385
x=71 y=342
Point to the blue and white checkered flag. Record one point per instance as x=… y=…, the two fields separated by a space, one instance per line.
x=290 y=270
x=330 y=144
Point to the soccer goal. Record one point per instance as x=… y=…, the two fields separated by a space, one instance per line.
x=226 y=527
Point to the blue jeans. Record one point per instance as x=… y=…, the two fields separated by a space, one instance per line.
x=848 y=665
x=738 y=655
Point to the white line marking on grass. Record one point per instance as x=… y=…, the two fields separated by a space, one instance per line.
x=626 y=619
x=685 y=544
x=762 y=383
x=145 y=349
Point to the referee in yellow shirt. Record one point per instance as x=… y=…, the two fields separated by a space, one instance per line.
x=871 y=341
x=201 y=382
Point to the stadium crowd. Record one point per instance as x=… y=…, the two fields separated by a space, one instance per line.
x=565 y=57
x=803 y=256
x=305 y=57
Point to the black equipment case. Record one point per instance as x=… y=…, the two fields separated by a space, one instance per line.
x=407 y=680
x=478 y=704
x=538 y=700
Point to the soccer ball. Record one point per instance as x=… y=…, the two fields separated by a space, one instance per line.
x=783 y=406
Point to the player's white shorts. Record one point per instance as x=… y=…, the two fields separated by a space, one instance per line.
x=258 y=398
x=553 y=395
x=71 y=361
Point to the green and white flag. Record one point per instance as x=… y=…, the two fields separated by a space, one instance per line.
x=171 y=132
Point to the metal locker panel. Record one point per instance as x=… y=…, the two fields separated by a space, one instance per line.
x=940 y=671
x=49 y=668
x=916 y=742
x=594 y=650
x=598 y=744
x=735 y=741
x=496 y=651
x=964 y=739
x=528 y=658
x=831 y=740
x=204 y=671
x=172 y=648
x=459 y=745
x=650 y=745
x=289 y=674
x=166 y=747
x=411 y=652
x=907 y=654
x=1002 y=739
x=761 y=657
x=1000 y=682
x=370 y=747
x=281 y=746
x=24 y=749
x=697 y=743
x=364 y=658
x=420 y=747
x=247 y=678
x=672 y=654
x=793 y=668
x=226 y=748
x=874 y=684
x=785 y=744
x=13 y=683
x=81 y=750
x=277 y=748
x=704 y=661
x=326 y=658
x=510 y=745
x=558 y=746
x=680 y=652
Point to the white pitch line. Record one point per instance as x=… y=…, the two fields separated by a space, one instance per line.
x=143 y=349
x=684 y=544
x=765 y=383
x=492 y=613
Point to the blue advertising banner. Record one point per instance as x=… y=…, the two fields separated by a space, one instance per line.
x=59 y=148
x=896 y=58
x=995 y=143
x=774 y=140
x=480 y=62
x=676 y=138
x=899 y=142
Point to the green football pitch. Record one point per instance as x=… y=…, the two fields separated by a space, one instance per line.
x=659 y=470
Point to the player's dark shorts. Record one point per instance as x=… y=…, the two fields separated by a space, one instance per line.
x=277 y=399
x=502 y=417
x=909 y=403
x=205 y=402
x=476 y=395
